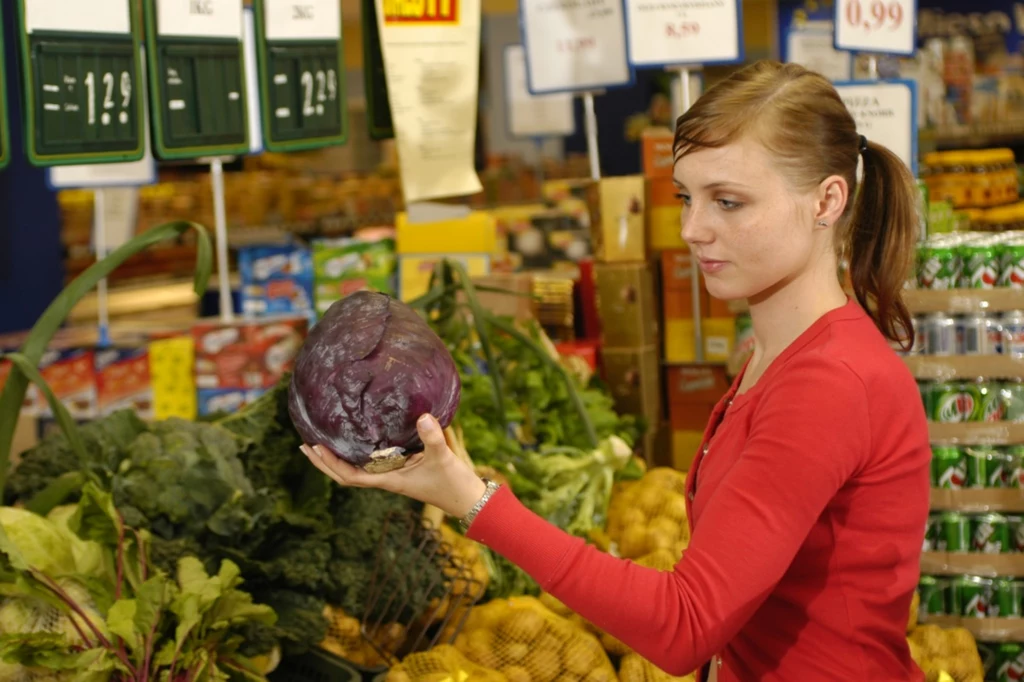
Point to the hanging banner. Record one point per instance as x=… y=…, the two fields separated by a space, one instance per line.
x=574 y=46
x=431 y=60
x=886 y=113
x=533 y=115
x=679 y=32
x=880 y=26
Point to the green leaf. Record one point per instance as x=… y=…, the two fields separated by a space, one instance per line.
x=54 y=494
x=186 y=607
x=53 y=318
x=121 y=622
x=195 y=582
x=97 y=518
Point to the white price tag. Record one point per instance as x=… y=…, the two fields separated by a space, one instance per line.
x=678 y=32
x=813 y=47
x=881 y=26
x=302 y=19
x=199 y=18
x=119 y=219
x=533 y=115
x=574 y=46
x=886 y=113
x=78 y=16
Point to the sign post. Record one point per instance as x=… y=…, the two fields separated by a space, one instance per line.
x=301 y=69
x=197 y=78
x=81 y=68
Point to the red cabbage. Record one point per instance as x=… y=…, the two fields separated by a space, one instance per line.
x=366 y=373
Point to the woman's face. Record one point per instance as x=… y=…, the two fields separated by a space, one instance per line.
x=750 y=231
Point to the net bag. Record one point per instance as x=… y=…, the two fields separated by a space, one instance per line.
x=635 y=668
x=527 y=642
x=649 y=514
x=954 y=652
x=441 y=664
x=345 y=639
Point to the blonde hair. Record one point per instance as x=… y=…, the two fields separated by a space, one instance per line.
x=800 y=119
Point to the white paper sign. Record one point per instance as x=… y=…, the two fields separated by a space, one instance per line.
x=199 y=18
x=574 y=45
x=677 y=32
x=533 y=115
x=91 y=16
x=119 y=219
x=302 y=19
x=814 y=48
x=883 y=26
x=884 y=112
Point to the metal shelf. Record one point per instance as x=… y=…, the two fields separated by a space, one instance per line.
x=962 y=301
x=946 y=367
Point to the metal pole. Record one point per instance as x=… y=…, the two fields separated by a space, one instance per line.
x=99 y=228
x=590 y=121
x=227 y=313
x=695 y=282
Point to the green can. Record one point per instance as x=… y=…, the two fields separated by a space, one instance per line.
x=934 y=593
x=1013 y=400
x=987 y=652
x=1016 y=526
x=1007 y=595
x=1011 y=274
x=932 y=533
x=971 y=596
x=1010 y=662
x=1011 y=466
x=952 y=402
x=981 y=266
x=949 y=467
x=939 y=267
x=988 y=396
x=990 y=534
x=984 y=467
x=955 y=535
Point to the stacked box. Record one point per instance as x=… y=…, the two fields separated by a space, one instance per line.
x=664 y=209
x=172 y=377
x=276 y=280
x=471 y=241
x=343 y=266
x=123 y=380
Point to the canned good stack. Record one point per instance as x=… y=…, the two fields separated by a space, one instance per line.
x=970 y=596
x=960 y=533
x=982 y=400
x=971 y=260
x=1003 y=661
x=971 y=178
x=977 y=467
x=942 y=334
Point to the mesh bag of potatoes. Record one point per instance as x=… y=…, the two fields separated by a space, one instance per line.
x=635 y=668
x=649 y=514
x=345 y=639
x=954 y=652
x=527 y=642
x=443 y=663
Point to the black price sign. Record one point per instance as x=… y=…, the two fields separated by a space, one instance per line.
x=301 y=73
x=5 y=138
x=197 y=78
x=378 y=104
x=81 y=72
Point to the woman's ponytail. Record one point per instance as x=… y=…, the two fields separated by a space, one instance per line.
x=883 y=241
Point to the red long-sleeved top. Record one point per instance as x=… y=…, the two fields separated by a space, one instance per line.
x=807 y=505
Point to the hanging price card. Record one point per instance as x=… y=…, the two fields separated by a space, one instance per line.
x=301 y=73
x=375 y=83
x=197 y=78
x=533 y=115
x=574 y=45
x=886 y=114
x=882 y=26
x=81 y=67
x=679 y=32
x=5 y=138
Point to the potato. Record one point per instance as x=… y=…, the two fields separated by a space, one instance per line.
x=397 y=675
x=665 y=525
x=516 y=673
x=544 y=664
x=632 y=669
x=480 y=648
x=675 y=508
x=580 y=656
x=513 y=652
x=633 y=542
x=605 y=674
x=523 y=625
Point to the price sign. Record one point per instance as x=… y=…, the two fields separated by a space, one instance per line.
x=533 y=115
x=886 y=113
x=679 y=32
x=5 y=138
x=375 y=83
x=301 y=73
x=197 y=78
x=881 y=26
x=81 y=66
x=574 y=46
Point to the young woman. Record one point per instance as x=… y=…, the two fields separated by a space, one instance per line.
x=809 y=497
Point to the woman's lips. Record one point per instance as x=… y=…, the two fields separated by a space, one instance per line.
x=710 y=266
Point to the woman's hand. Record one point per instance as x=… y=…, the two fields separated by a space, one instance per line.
x=435 y=476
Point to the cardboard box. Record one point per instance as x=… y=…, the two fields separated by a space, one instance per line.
x=276 y=279
x=698 y=383
x=71 y=375
x=718 y=325
x=171 y=373
x=123 y=381
x=517 y=303
x=633 y=376
x=343 y=266
x=685 y=445
x=476 y=233
x=626 y=302
x=664 y=216
x=414 y=271
x=617 y=219
x=658 y=158
x=246 y=354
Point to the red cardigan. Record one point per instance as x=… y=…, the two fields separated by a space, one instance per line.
x=808 y=506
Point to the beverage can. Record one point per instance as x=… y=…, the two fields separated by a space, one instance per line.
x=1013 y=400
x=1016 y=526
x=1010 y=662
x=949 y=467
x=955 y=535
x=1007 y=598
x=1011 y=266
x=932 y=533
x=920 y=344
x=984 y=467
x=940 y=334
x=981 y=266
x=979 y=334
x=1013 y=328
x=1011 y=466
x=990 y=534
x=940 y=267
x=971 y=596
x=950 y=403
x=934 y=592
x=989 y=405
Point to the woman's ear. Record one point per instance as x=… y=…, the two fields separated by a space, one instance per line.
x=830 y=201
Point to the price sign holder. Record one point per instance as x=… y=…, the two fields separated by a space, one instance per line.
x=197 y=75
x=378 y=104
x=301 y=67
x=872 y=103
x=876 y=26
x=5 y=137
x=80 y=72
x=660 y=35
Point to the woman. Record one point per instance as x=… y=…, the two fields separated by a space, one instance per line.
x=809 y=498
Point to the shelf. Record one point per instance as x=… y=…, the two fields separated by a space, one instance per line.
x=961 y=301
x=983 y=629
x=977 y=135
x=962 y=563
x=978 y=501
x=944 y=368
x=977 y=433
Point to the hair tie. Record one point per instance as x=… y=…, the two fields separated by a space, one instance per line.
x=863 y=144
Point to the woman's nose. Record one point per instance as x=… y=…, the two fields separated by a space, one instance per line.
x=694 y=228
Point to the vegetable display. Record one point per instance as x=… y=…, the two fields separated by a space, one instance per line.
x=368 y=370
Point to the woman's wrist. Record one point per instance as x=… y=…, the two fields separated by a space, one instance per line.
x=466 y=491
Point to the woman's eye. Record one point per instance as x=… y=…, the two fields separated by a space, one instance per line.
x=728 y=205
x=685 y=198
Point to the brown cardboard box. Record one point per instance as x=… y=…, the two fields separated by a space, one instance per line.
x=518 y=303
x=627 y=305
x=685 y=445
x=634 y=380
x=664 y=215
x=718 y=323
x=657 y=445
x=697 y=383
x=617 y=219
x=657 y=152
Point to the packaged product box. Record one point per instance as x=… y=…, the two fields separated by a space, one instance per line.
x=627 y=304
x=172 y=377
x=584 y=349
x=517 y=303
x=657 y=153
x=718 y=325
x=246 y=354
x=71 y=375
x=692 y=393
x=414 y=270
x=276 y=279
x=475 y=233
x=589 y=320
x=685 y=445
x=664 y=215
x=276 y=342
x=343 y=266
x=123 y=381
x=548 y=239
x=617 y=218
x=633 y=376
x=214 y=401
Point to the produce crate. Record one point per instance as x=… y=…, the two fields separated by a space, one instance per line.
x=315 y=666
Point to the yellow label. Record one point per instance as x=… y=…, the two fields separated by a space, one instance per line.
x=476 y=233
x=171 y=363
x=414 y=271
